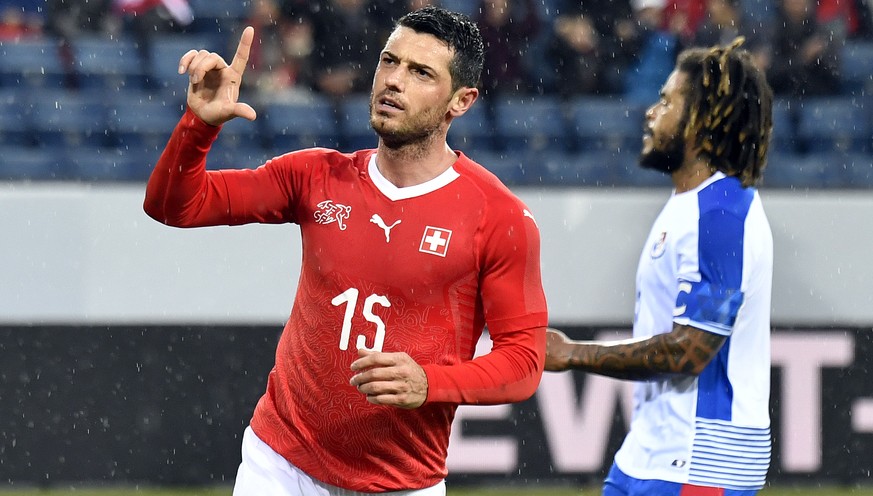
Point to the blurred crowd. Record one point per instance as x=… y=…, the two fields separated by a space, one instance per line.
x=563 y=47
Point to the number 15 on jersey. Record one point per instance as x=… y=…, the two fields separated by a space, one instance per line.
x=349 y=297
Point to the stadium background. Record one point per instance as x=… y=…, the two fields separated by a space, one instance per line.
x=131 y=354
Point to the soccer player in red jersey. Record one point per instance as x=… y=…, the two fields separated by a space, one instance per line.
x=409 y=251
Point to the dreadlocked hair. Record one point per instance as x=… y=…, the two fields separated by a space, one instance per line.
x=729 y=109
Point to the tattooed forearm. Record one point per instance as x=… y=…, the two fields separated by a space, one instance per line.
x=684 y=351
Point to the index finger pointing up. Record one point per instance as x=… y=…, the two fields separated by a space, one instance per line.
x=241 y=57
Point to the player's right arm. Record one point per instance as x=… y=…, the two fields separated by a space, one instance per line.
x=685 y=350
x=180 y=191
x=213 y=85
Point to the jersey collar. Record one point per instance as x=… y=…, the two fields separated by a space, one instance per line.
x=394 y=193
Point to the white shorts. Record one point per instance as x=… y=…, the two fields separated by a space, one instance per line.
x=265 y=472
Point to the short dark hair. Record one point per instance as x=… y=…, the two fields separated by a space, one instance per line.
x=729 y=109
x=459 y=33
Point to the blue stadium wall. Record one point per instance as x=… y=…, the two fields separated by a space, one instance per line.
x=134 y=353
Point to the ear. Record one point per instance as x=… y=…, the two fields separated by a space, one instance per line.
x=462 y=100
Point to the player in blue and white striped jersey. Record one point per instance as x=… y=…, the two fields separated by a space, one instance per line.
x=701 y=345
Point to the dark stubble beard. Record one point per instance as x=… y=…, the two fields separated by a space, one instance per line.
x=418 y=133
x=667 y=159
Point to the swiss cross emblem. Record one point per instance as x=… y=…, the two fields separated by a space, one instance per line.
x=435 y=241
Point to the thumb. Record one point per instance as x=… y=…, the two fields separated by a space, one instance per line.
x=245 y=111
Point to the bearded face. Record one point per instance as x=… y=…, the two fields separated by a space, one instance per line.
x=664 y=139
x=412 y=89
x=408 y=128
x=666 y=157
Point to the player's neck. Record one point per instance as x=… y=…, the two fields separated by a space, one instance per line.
x=414 y=164
x=691 y=175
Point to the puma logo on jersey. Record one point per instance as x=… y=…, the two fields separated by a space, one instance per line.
x=376 y=219
x=333 y=212
x=527 y=213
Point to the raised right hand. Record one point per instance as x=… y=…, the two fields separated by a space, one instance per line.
x=213 y=85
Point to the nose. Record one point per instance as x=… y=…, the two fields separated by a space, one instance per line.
x=650 y=112
x=394 y=78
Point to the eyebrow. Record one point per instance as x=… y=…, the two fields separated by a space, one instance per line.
x=413 y=64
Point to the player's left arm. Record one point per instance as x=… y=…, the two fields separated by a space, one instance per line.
x=511 y=372
x=515 y=311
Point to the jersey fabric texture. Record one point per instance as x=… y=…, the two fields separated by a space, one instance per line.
x=707 y=263
x=420 y=270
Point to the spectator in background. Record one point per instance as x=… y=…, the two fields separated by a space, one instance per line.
x=20 y=19
x=279 y=61
x=507 y=28
x=71 y=19
x=725 y=22
x=294 y=8
x=146 y=19
x=573 y=53
x=646 y=51
x=805 y=61
x=683 y=18
x=865 y=19
x=610 y=18
x=844 y=19
x=386 y=12
x=345 y=38
x=603 y=14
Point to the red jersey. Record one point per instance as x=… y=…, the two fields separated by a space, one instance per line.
x=419 y=270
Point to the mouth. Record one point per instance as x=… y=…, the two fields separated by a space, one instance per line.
x=647 y=133
x=647 y=139
x=388 y=104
